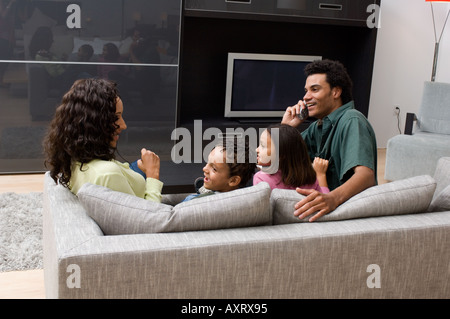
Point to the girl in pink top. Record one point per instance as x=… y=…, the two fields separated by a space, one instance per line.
x=283 y=145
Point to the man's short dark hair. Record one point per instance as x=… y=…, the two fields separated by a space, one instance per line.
x=337 y=76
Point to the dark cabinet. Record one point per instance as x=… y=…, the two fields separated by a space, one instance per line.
x=332 y=29
x=335 y=11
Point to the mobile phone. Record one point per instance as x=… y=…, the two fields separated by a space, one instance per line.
x=303 y=113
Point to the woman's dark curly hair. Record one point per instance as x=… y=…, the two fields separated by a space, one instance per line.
x=337 y=76
x=82 y=128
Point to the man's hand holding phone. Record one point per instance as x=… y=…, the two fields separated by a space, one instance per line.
x=295 y=114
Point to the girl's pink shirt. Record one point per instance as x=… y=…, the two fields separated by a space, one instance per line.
x=274 y=181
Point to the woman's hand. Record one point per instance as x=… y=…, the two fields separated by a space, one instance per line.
x=149 y=163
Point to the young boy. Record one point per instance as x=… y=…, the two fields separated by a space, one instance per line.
x=229 y=167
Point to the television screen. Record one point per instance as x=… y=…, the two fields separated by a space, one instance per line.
x=264 y=85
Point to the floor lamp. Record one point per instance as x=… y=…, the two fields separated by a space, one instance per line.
x=436 y=45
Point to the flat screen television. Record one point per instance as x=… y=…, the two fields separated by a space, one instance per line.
x=264 y=85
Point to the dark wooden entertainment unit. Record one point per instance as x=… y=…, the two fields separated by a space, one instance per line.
x=333 y=29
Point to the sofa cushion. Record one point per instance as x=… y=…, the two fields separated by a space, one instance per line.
x=442 y=175
x=118 y=213
x=407 y=196
x=441 y=202
x=441 y=198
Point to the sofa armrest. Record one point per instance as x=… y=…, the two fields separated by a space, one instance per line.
x=410 y=118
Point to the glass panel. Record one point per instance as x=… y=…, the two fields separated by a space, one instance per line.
x=57 y=29
x=46 y=45
x=29 y=100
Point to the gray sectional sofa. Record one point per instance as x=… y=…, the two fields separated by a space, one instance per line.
x=390 y=241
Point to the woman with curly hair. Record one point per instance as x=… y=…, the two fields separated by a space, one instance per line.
x=81 y=143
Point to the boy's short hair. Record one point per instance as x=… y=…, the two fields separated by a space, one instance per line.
x=238 y=157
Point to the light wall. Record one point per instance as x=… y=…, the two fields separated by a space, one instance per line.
x=403 y=61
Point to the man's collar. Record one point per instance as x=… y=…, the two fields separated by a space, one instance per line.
x=336 y=114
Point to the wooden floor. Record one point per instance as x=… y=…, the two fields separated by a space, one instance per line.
x=22 y=183
x=30 y=284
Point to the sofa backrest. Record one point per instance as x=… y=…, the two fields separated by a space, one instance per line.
x=434 y=112
x=113 y=213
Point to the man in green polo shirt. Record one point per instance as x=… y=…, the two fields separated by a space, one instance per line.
x=342 y=135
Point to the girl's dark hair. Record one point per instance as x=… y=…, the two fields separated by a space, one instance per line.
x=239 y=158
x=337 y=76
x=294 y=162
x=82 y=128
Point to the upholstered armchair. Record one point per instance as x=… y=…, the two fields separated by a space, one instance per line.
x=426 y=138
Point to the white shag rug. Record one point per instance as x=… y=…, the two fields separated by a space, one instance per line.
x=20 y=231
